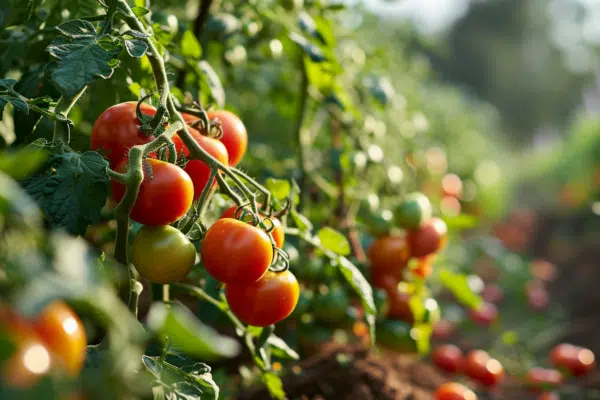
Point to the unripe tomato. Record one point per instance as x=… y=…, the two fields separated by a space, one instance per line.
x=479 y=366
x=196 y=169
x=235 y=252
x=265 y=302
x=454 y=391
x=165 y=195
x=235 y=137
x=396 y=336
x=117 y=130
x=430 y=238
x=388 y=256
x=414 y=210
x=492 y=293
x=485 y=314
x=277 y=232
x=448 y=357
x=577 y=360
x=539 y=379
x=30 y=359
x=162 y=254
x=331 y=306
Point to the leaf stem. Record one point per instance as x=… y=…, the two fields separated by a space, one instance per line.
x=62 y=108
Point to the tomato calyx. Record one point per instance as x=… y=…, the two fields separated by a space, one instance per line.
x=155 y=125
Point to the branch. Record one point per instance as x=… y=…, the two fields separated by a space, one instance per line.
x=200 y=20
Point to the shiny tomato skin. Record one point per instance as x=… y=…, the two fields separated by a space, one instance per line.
x=578 y=361
x=20 y=371
x=163 y=198
x=235 y=137
x=448 y=357
x=117 y=130
x=64 y=335
x=162 y=254
x=454 y=391
x=265 y=302
x=277 y=232
x=388 y=255
x=479 y=366
x=235 y=252
x=413 y=211
x=485 y=314
x=196 y=169
x=430 y=238
x=542 y=379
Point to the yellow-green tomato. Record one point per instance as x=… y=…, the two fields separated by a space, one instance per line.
x=162 y=254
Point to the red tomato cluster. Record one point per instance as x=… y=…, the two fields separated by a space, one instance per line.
x=54 y=340
x=477 y=364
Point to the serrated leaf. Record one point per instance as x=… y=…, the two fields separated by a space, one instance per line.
x=190 y=48
x=136 y=48
x=77 y=28
x=19 y=104
x=71 y=189
x=279 y=188
x=334 y=241
x=360 y=285
x=280 y=349
x=459 y=286
x=301 y=222
x=214 y=83
x=136 y=34
x=274 y=385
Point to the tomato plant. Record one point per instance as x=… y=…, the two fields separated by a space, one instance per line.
x=388 y=256
x=428 y=239
x=277 y=231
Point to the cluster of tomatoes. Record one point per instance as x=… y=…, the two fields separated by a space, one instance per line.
x=478 y=365
x=53 y=342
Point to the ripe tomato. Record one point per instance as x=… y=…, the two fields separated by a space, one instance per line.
x=235 y=137
x=162 y=254
x=63 y=333
x=277 y=232
x=578 y=361
x=485 y=314
x=413 y=211
x=235 y=252
x=454 y=391
x=448 y=357
x=398 y=301
x=117 y=130
x=164 y=197
x=443 y=329
x=388 y=256
x=331 y=306
x=541 y=379
x=30 y=358
x=428 y=239
x=265 y=302
x=196 y=169
x=548 y=396
x=492 y=293
x=479 y=366
x=396 y=336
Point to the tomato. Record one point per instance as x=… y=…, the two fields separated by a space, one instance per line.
x=399 y=301
x=331 y=305
x=235 y=252
x=479 y=366
x=485 y=314
x=443 y=329
x=162 y=254
x=492 y=293
x=64 y=335
x=265 y=302
x=448 y=357
x=548 y=396
x=382 y=304
x=198 y=171
x=235 y=137
x=30 y=358
x=117 y=130
x=578 y=361
x=277 y=232
x=454 y=391
x=164 y=197
x=388 y=256
x=413 y=211
x=396 y=336
x=430 y=238
x=539 y=379
x=538 y=297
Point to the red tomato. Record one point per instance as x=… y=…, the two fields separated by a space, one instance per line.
x=63 y=333
x=164 y=197
x=277 y=232
x=235 y=252
x=548 y=396
x=30 y=359
x=485 y=314
x=398 y=301
x=479 y=366
x=492 y=293
x=388 y=256
x=443 y=329
x=265 y=302
x=577 y=360
x=196 y=169
x=454 y=391
x=235 y=137
x=538 y=379
x=448 y=357
x=428 y=239
x=117 y=130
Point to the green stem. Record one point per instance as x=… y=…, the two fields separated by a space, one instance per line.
x=255 y=184
x=201 y=200
x=64 y=105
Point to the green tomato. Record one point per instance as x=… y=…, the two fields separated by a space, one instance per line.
x=310 y=271
x=414 y=210
x=396 y=336
x=331 y=307
x=304 y=303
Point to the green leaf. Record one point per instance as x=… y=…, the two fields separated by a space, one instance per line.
x=360 y=285
x=301 y=222
x=334 y=241
x=274 y=385
x=18 y=164
x=152 y=366
x=188 y=334
x=7 y=83
x=214 y=83
x=18 y=103
x=459 y=286
x=77 y=28
x=140 y=11
x=461 y=221
x=71 y=189
x=136 y=48
x=279 y=188
x=280 y=349
x=16 y=207
x=312 y=51
x=190 y=48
